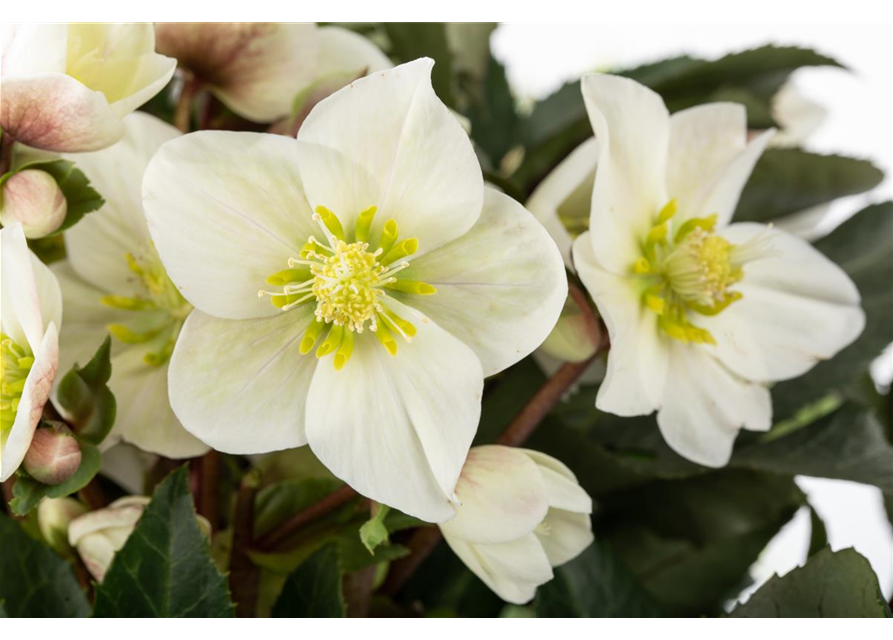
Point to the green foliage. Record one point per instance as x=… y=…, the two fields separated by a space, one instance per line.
x=374 y=532
x=34 y=581
x=831 y=585
x=314 y=589
x=28 y=492
x=495 y=123
x=164 y=569
x=86 y=398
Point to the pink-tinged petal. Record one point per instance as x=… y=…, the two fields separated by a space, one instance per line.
x=632 y=127
x=55 y=112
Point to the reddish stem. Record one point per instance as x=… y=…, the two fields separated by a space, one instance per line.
x=324 y=507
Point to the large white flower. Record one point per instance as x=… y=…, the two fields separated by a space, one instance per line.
x=113 y=281
x=66 y=87
x=378 y=246
x=522 y=513
x=257 y=68
x=30 y=317
x=701 y=314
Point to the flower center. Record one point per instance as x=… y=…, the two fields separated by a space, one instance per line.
x=159 y=309
x=688 y=268
x=15 y=363
x=349 y=282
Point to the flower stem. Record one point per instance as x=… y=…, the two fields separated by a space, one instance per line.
x=315 y=511
x=183 y=112
x=6 y=143
x=209 y=488
x=244 y=576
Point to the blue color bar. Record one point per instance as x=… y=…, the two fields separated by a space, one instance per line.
x=410 y=629
x=304 y=628
x=381 y=629
x=104 y=629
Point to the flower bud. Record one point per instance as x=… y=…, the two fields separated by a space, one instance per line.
x=54 y=455
x=53 y=518
x=100 y=534
x=571 y=339
x=522 y=513
x=33 y=198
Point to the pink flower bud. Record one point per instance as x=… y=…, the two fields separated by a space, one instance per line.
x=33 y=198
x=54 y=455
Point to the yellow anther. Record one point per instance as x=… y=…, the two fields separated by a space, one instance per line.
x=344 y=350
x=388 y=236
x=642 y=266
x=332 y=341
x=386 y=339
x=654 y=302
x=706 y=224
x=311 y=334
x=128 y=336
x=657 y=234
x=401 y=250
x=730 y=297
x=669 y=210
x=364 y=223
x=412 y=286
x=331 y=221
x=127 y=304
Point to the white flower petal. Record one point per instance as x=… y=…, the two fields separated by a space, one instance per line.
x=255 y=68
x=240 y=386
x=566 y=535
x=705 y=405
x=638 y=360
x=98 y=244
x=512 y=570
x=226 y=210
x=38 y=386
x=31 y=49
x=341 y=50
x=562 y=488
x=398 y=428
x=568 y=186
x=55 y=112
x=387 y=140
x=631 y=125
x=24 y=280
x=144 y=416
x=502 y=495
x=798 y=308
x=704 y=141
x=500 y=287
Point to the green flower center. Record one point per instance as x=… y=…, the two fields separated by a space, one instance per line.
x=348 y=280
x=159 y=309
x=688 y=268
x=15 y=364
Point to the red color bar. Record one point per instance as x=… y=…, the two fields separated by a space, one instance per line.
x=483 y=629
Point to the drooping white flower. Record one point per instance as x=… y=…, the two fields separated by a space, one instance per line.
x=522 y=513
x=66 y=87
x=379 y=247
x=30 y=317
x=701 y=313
x=257 y=69
x=113 y=282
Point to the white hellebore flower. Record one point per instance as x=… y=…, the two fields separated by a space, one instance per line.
x=114 y=282
x=66 y=87
x=30 y=317
x=257 y=68
x=99 y=535
x=702 y=314
x=378 y=246
x=522 y=513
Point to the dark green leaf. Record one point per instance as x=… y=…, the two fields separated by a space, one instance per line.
x=164 y=569
x=34 y=581
x=863 y=247
x=596 y=584
x=818 y=534
x=411 y=40
x=28 y=492
x=495 y=124
x=313 y=590
x=279 y=501
x=786 y=181
x=831 y=585
x=86 y=398
x=374 y=533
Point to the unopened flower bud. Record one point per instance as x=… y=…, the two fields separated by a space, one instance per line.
x=54 y=455
x=571 y=340
x=53 y=518
x=33 y=198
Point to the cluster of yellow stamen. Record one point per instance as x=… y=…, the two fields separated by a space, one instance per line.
x=688 y=268
x=163 y=308
x=348 y=280
x=15 y=364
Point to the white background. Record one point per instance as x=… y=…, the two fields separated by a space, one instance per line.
x=540 y=58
